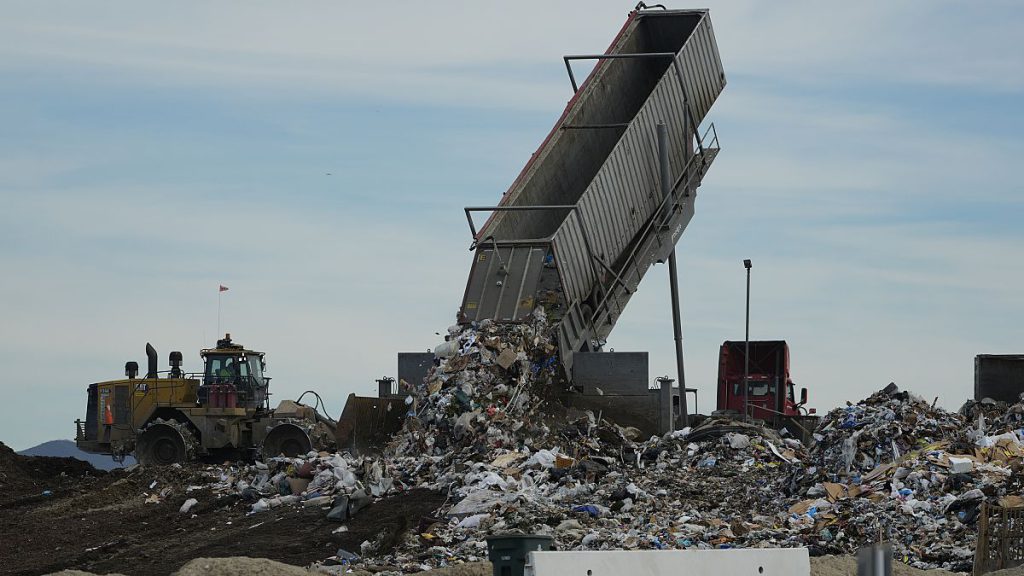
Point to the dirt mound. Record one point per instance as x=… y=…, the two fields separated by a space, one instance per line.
x=27 y=477
x=80 y=573
x=239 y=566
x=467 y=569
x=129 y=522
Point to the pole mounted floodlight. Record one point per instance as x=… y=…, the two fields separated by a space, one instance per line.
x=746 y=351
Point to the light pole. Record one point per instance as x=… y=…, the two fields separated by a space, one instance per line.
x=746 y=351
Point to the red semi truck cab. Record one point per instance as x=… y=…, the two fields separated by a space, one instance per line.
x=771 y=393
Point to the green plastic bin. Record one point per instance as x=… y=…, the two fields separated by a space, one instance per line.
x=508 y=552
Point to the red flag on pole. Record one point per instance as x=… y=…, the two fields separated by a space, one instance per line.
x=223 y=288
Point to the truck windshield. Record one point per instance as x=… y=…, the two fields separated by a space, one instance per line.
x=757 y=388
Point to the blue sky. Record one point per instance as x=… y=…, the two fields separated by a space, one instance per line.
x=153 y=151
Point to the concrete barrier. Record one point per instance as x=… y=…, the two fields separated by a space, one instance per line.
x=731 y=562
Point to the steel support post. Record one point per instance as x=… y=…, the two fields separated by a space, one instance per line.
x=677 y=323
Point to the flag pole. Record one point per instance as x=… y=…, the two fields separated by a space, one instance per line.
x=220 y=289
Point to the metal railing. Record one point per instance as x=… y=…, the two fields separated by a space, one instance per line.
x=243 y=387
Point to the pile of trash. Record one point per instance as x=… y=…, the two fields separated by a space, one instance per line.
x=485 y=428
x=994 y=416
x=345 y=483
x=855 y=439
x=894 y=467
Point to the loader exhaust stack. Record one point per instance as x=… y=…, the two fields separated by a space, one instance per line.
x=151 y=371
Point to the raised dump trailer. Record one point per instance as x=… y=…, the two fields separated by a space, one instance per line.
x=999 y=377
x=588 y=215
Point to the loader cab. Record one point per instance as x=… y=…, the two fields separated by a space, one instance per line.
x=233 y=377
x=233 y=369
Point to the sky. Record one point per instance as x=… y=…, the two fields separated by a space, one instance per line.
x=315 y=157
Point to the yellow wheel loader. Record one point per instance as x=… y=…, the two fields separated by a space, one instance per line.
x=224 y=412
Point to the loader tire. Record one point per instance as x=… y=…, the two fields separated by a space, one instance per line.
x=286 y=439
x=162 y=444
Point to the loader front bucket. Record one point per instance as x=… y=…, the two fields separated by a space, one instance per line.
x=367 y=423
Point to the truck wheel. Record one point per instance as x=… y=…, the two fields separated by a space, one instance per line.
x=161 y=444
x=287 y=439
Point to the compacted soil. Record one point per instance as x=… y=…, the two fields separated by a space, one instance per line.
x=60 y=513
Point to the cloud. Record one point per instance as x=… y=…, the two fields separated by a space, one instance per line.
x=159 y=150
x=867 y=43
x=494 y=56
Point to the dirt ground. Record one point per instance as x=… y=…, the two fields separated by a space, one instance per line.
x=22 y=477
x=238 y=566
x=101 y=523
x=847 y=566
x=821 y=566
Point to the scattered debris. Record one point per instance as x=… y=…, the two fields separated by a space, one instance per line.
x=187 y=505
x=488 y=433
x=485 y=430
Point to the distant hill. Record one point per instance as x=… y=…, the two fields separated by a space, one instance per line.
x=67 y=448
